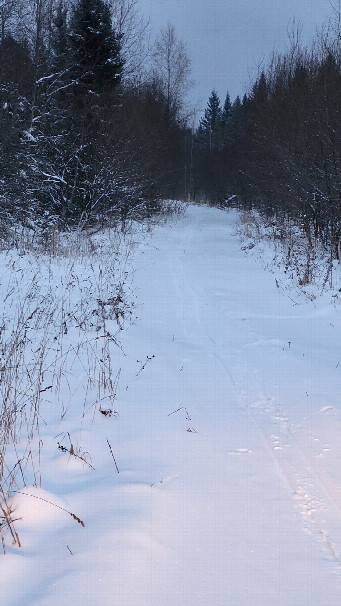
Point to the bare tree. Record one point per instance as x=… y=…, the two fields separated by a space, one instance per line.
x=7 y=10
x=171 y=69
x=133 y=32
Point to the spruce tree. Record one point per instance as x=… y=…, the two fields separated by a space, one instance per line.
x=212 y=116
x=225 y=123
x=60 y=43
x=95 y=47
x=226 y=111
x=260 y=92
x=236 y=120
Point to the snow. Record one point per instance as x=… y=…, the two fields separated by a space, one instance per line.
x=215 y=479
x=29 y=136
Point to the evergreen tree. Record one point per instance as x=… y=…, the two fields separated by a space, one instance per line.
x=226 y=111
x=212 y=117
x=209 y=134
x=236 y=120
x=69 y=152
x=95 y=48
x=73 y=142
x=16 y=83
x=60 y=42
x=260 y=92
x=209 y=142
x=224 y=137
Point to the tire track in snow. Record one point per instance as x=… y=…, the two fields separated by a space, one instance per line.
x=309 y=491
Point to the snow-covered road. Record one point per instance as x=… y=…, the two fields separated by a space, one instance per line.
x=227 y=444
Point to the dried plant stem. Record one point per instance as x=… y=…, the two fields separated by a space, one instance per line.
x=9 y=523
x=112 y=454
x=54 y=505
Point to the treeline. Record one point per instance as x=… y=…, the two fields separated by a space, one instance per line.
x=278 y=150
x=93 y=124
x=87 y=132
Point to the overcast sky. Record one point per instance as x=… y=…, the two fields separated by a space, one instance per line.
x=228 y=39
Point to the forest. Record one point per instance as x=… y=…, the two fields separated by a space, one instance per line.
x=278 y=150
x=87 y=133
x=94 y=124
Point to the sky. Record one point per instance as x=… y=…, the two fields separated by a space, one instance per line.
x=227 y=40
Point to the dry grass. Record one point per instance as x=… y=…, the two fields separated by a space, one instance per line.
x=65 y=300
x=66 y=297
x=307 y=263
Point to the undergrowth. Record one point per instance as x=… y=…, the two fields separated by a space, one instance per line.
x=284 y=247
x=66 y=297
x=65 y=301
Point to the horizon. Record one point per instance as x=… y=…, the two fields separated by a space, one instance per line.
x=230 y=43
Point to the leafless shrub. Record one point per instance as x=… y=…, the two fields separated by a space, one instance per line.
x=306 y=263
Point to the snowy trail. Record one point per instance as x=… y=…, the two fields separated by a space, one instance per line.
x=306 y=481
x=230 y=377
x=308 y=488
x=227 y=443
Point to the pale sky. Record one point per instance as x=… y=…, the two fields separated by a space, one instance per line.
x=228 y=39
